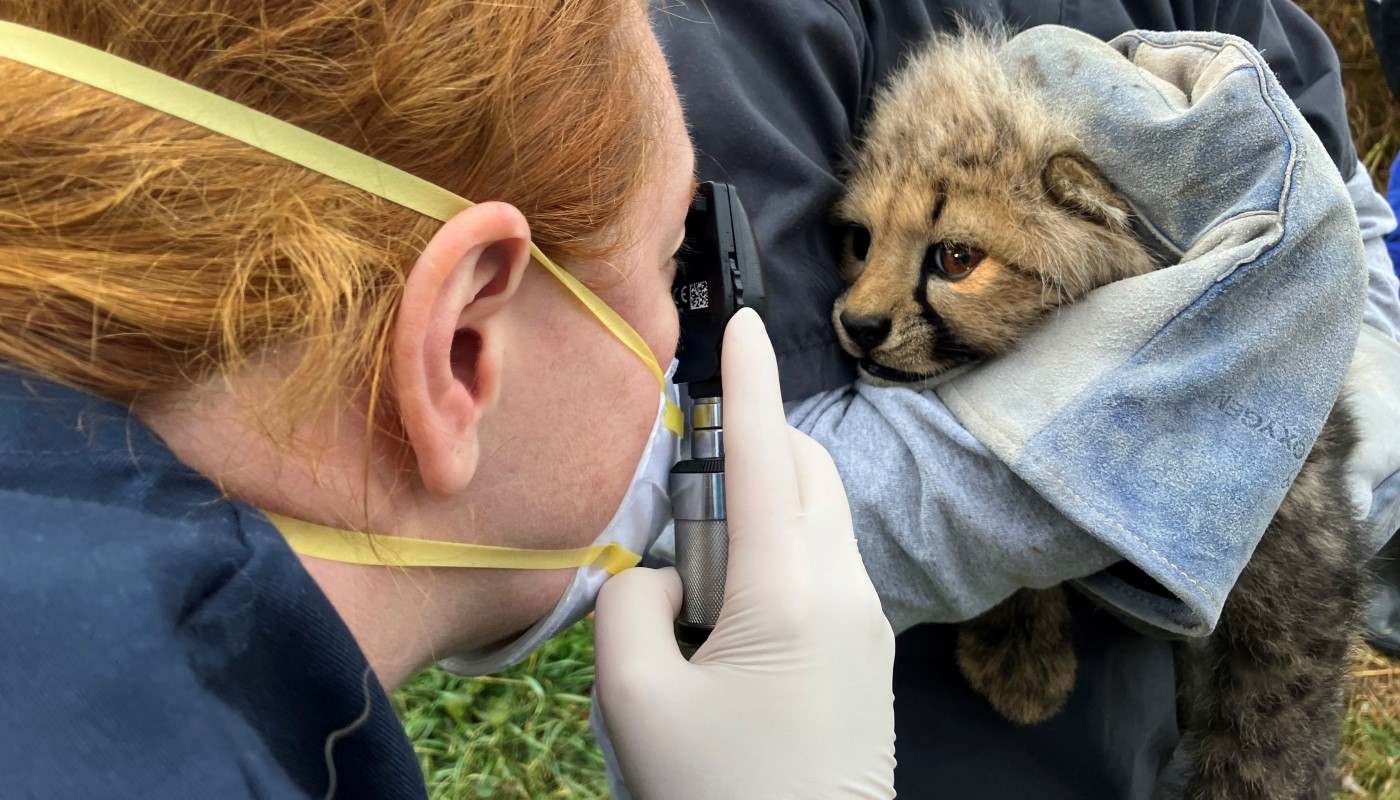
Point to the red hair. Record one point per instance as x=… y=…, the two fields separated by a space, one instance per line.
x=140 y=254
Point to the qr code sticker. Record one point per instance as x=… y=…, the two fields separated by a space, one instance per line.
x=699 y=295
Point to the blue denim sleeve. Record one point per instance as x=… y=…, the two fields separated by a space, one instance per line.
x=945 y=529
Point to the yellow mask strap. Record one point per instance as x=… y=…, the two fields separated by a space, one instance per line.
x=675 y=418
x=179 y=99
x=349 y=547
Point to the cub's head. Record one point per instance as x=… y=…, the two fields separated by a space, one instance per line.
x=970 y=212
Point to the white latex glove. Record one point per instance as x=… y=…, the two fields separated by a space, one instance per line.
x=790 y=697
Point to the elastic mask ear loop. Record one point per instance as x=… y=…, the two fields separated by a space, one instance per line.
x=348 y=547
x=161 y=92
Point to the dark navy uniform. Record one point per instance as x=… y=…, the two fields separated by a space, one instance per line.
x=158 y=640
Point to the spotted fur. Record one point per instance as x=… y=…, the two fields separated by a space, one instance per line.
x=959 y=163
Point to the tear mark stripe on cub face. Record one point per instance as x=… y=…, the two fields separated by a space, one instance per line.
x=1020 y=269
x=946 y=344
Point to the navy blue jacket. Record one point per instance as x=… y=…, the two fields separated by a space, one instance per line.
x=158 y=640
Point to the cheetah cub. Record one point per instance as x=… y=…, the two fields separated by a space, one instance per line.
x=971 y=213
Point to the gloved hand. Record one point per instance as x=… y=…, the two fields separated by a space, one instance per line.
x=790 y=697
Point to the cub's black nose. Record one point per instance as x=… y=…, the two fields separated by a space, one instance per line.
x=868 y=332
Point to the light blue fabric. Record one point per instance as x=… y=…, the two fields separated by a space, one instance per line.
x=1373 y=397
x=1376 y=218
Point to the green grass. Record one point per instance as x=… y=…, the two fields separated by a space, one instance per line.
x=1374 y=757
x=521 y=734
x=1371 y=740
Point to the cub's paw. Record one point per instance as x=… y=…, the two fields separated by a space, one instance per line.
x=1019 y=655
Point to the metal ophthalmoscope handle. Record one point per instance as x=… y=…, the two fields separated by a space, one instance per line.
x=702 y=527
x=719 y=272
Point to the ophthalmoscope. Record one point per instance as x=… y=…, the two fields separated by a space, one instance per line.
x=719 y=273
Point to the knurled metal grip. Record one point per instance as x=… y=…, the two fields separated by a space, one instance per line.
x=702 y=527
x=702 y=557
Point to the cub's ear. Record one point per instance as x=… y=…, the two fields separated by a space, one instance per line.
x=1076 y=184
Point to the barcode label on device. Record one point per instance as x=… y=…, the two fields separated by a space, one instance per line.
x=698 y=295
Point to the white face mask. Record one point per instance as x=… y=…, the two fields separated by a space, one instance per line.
x=645 y=508
x=640 y=519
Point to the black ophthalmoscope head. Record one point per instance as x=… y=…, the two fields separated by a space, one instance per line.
x=719 y=273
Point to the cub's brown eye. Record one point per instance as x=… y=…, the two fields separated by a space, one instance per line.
x=858 y=238
x=952 y=261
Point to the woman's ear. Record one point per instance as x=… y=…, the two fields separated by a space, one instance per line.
x=447 y=338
